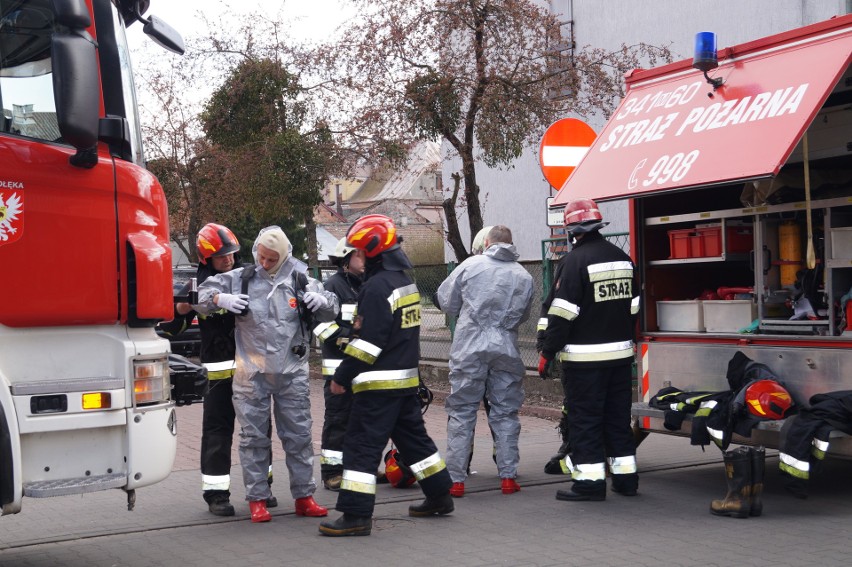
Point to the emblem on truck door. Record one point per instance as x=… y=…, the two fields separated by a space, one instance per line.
x=11 y=214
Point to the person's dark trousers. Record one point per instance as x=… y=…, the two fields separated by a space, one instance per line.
x=337 y=408
x=599 y=401
x=375 y=418
x=217 y=433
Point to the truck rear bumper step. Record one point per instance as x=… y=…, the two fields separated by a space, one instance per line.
x=68 y=486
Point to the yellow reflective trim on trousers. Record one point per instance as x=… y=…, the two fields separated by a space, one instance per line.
x=217 y=482
x=355 y=481
x=329 y=457
x=593 y=471
x=793 y=466
x=622 y=465
x=428 y=466
x=542 y=324
x=566 y=465
x=363 y=351
x=564 y=309
x=819 y=449
x=324 y=330
x=386 y=380
x=634 y=306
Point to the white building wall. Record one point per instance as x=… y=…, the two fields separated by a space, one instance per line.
x=516 y=196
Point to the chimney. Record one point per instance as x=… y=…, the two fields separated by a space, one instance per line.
x=338 y=199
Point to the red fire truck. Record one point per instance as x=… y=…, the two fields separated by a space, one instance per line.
x=739 y=179
x=84 y=244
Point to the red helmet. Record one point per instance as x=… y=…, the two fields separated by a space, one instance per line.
x=215 y=240
x=767 y=399
x=373 y=234
x=399 y=474
x=583 y=215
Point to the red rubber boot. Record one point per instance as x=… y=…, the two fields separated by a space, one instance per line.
x=509 y=486
x=307 y=506
x=259 y=513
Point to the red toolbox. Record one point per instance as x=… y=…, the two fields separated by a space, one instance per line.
x=679 y=243
x=739 y=239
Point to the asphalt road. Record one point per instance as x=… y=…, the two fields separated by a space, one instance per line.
x=667 y=524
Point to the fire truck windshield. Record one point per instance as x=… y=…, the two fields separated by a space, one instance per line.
x=26 y=89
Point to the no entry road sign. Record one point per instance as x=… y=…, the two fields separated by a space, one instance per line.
x=562 y=147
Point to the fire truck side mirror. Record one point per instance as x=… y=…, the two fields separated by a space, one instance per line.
x=72 y=14
x=75 y=87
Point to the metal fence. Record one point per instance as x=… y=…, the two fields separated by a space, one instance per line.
x=436 y=328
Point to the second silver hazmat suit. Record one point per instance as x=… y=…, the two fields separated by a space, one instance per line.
x=491 y=294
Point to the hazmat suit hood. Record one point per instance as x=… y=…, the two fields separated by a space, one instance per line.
x=273 y=238
x=502 y=251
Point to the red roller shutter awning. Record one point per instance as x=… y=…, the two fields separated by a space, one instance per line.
x=673 y=131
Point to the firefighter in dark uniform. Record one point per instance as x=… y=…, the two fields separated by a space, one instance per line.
x=334 y=337
x=217 y=247
x=591 y=330
x=381 y=371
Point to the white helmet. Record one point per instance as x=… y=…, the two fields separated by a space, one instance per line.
x=478 y=246
x=341 y=251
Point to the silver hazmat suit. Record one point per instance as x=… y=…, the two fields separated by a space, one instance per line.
x=268 y=372
x=492 y=295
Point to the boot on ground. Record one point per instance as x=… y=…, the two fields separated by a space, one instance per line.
x=220 y=505
x=347 y=525
x=457 y=490
x=271 y=502
x=509 y=486
x=584 y=491
x=439 y=505
x=259 y=513
x=307 y=506
x=737 y=502
x=333 y=482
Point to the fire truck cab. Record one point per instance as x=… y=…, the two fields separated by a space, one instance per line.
x=84 y=244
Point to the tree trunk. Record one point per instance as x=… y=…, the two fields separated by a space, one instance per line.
x=453 y=235
x=311 y=238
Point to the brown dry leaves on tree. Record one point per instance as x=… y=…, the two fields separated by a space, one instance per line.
x=486 y=76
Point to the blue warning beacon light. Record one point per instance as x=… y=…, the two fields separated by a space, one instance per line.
x=705 y=58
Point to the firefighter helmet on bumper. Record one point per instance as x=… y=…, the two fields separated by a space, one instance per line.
x=373 y=234
x=215 y=240
x=399 y=474
x=583 y=215
x=767 y=399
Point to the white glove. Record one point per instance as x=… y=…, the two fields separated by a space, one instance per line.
x=315 y=301
x=233 y=303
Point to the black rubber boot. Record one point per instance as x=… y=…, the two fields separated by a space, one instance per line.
x=737 y=502
x=758 y=468
x=347 y=525
x=584 y=491
x=271 y=502
x=439 y=505
x=220 y=505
